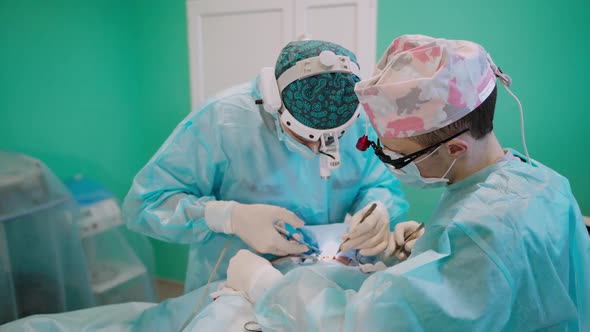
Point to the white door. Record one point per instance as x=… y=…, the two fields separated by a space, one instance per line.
x=350 y=23
x=230 y=40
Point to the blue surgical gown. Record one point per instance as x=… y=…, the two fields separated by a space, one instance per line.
x=505 y=250
x=229 y=150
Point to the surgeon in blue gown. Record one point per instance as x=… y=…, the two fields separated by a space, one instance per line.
x=253 y=155
x=505 y=250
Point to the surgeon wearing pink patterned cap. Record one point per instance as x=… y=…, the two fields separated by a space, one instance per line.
x=507 y=239
x=506 y=248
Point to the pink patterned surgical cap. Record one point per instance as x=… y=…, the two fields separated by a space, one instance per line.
x=422 y=84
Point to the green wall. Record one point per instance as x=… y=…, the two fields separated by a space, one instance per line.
x=164 y=98
x=96 y=87
x=68 y=86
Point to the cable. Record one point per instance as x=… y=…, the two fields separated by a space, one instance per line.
x=327 y=154
x=526 y=150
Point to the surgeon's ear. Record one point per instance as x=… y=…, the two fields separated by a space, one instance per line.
x=457 y=147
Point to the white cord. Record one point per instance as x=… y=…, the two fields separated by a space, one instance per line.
x=526 y=150
x=206 y=291
x=506 y=82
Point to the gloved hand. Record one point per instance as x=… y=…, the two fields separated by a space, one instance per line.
x=251 y=274
x=254 y=224
x=372 y=235
x=397 y=238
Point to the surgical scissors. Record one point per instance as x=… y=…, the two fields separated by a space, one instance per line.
x=293 y=234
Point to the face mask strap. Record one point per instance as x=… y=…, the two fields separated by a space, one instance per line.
x=449 y=169
x=428 y=156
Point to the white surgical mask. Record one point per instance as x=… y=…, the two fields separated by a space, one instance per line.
x=294 y=146
x=410 y=174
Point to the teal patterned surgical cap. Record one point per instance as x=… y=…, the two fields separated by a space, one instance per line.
x=322 y=101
